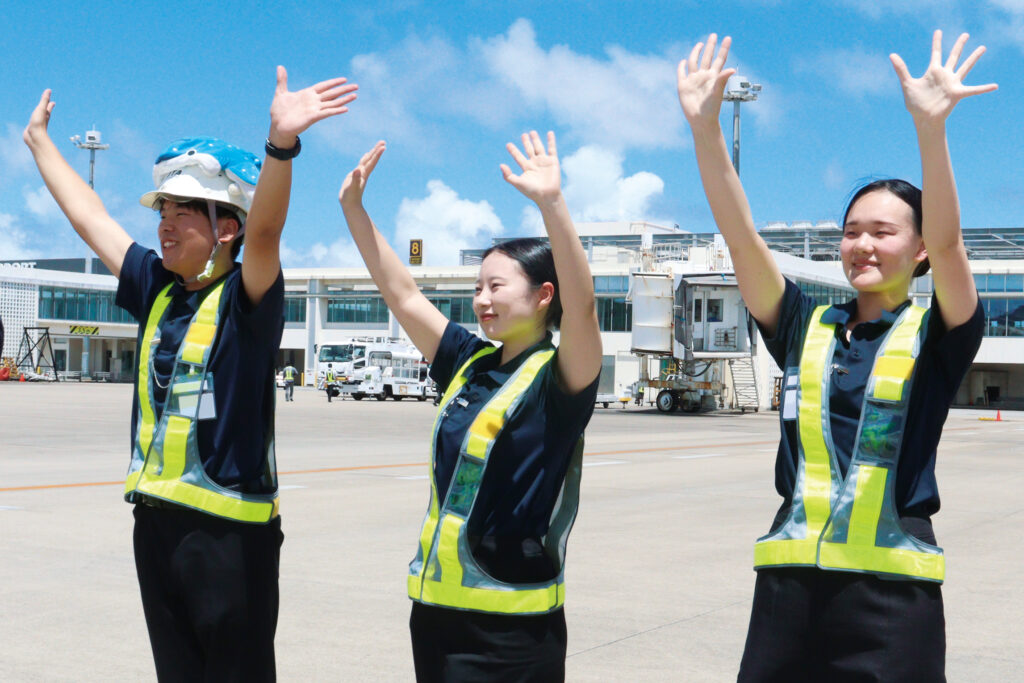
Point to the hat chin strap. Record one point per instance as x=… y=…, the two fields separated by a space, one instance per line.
x=211 y=209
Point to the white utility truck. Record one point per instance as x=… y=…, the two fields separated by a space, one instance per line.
x=381 y=367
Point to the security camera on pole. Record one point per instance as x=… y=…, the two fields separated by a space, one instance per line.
x=738 y=90
x=92 y=143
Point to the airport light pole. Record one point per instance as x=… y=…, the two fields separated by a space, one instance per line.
x=93 y=142
x=745 y=92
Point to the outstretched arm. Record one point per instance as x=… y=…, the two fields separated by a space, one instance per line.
x=541 y=180
x=701 y=82
x=417 y=316
x=290 y=114
x=930 y=99
x=76 y=199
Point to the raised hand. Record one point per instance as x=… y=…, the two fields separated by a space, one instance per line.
x=293 y=112
x=700 y=81
x=541 y=178
x=40 y=119
x=351 y=193
x=933 y=96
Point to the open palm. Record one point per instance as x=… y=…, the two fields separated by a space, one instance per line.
x=293 y=112
x=701 y=80
x=351 y=193
x=542 y=176
x=934 y=95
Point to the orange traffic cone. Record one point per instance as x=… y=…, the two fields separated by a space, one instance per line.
x=999 y=416
x=21 y=376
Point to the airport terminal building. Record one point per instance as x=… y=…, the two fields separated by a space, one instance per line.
x=91 y=338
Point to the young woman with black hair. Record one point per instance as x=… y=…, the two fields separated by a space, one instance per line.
x=848 y=577
x=487 y=580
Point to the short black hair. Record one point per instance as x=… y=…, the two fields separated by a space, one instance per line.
x=911 y=196
x=534 y=257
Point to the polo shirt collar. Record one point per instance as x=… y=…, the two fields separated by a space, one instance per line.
x=840 y=314
x=178 y=289
x=512 y=365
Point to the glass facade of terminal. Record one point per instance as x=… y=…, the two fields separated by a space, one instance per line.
x=90 y=305
x=1004 y=313
x=295 y=309
x=824 y=294
x=357 y=309
x=613 y=311
x=1004 y=317
x=456 y=307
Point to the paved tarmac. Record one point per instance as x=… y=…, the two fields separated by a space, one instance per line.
x=659 y=569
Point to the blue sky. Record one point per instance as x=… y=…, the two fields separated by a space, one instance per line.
x=447 y=84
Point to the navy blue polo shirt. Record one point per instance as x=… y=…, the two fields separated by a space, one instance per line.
x=232 y=444
x=944 y=360
x=527 y=465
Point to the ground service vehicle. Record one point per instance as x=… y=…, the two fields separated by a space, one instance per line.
x=381 y=367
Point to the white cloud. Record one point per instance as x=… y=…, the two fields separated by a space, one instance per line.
x=41 y=203
x=405 y=91
x=852 y=72
x=342 y=253
x=15 y=159
x=14 y=242
x=625 y=100
x=597 y=190
x=927 y=11
x=1005 y=24
x=414 y=90
x=446 y=223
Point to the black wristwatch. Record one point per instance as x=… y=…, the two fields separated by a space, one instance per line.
x=283 y=154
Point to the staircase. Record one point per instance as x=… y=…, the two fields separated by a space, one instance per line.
x=744 y=384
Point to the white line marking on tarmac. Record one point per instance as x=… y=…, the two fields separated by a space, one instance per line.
x=966 y=433
x=605 y=462
x=413 y=476
x=9 y=507
x=696 y=457
x=767 y=450
x=290 y=486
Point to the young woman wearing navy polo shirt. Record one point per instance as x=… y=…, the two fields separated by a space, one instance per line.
x=848 y=577
x=507 y=444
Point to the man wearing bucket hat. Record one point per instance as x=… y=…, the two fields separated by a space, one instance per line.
x=202 y=473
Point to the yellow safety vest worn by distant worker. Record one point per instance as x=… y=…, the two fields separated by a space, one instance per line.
x=165 y=457
x=444 y=572
x=851 y=523
x=289 y=374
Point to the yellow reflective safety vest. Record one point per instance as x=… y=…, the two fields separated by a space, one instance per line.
x=289 y=374
x=851 y=524
x=444 y=572
x=165 y=457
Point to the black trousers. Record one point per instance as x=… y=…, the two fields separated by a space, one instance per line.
x=453 y=646
x=816 y=625
x=209 y=591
